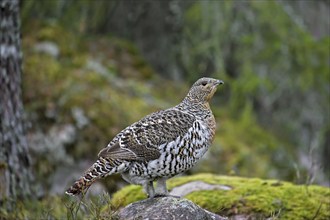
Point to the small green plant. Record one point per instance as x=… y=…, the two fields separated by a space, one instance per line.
x=72 y=209
x=93 y=207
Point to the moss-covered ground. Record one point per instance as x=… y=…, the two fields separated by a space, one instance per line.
x=250 y=196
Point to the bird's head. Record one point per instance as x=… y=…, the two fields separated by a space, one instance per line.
x=203 y=89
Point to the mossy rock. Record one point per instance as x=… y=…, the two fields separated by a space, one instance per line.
x=247 y=196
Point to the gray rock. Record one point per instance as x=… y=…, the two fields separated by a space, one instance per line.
x=47 y=47
x=80 y=117
x=190 y=187
x=51 y=145
x=166 y=208
x=98 y=67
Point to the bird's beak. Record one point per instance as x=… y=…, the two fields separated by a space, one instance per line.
x=218 y=82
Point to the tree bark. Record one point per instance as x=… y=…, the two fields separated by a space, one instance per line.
x=15 y=170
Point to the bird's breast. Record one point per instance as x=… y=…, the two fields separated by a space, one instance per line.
x=180 y=154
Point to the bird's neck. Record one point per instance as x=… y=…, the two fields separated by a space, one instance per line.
x=198 y=109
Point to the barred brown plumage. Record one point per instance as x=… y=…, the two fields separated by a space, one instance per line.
x=160 y=145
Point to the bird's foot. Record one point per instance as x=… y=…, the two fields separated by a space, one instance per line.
x=161 y=195
x=165 y=195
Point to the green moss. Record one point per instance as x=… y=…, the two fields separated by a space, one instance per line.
x=3 y=165
x=37 y=209
x=129 y=56
x=252 y=196
x=128 y=195
x=67 y=41
x=63 y=83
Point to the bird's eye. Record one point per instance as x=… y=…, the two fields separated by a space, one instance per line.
x=204 y=83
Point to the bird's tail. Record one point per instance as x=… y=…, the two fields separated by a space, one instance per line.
x=101 y=168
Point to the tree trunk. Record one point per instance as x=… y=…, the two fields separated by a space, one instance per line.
x=15 y=171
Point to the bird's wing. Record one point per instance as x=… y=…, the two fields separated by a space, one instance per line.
x=141 y=140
